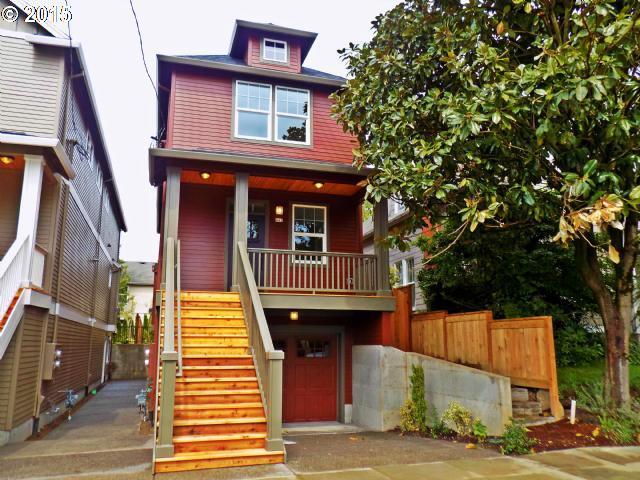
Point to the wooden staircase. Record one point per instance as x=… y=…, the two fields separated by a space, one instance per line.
x=219 y=418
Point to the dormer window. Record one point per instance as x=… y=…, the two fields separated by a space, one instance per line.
x=274 y=50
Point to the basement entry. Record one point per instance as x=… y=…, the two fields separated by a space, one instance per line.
x=310 y=380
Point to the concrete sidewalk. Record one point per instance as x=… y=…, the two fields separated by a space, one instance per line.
x=101 y=436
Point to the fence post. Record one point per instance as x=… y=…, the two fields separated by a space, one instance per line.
x=274 y=414
x=489 y=320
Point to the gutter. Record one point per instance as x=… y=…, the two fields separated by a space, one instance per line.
x=263 y=72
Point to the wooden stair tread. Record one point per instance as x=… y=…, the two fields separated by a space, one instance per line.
x=217 y=421
x=218 y=438
x=217 y=392
x=216 y=379
x=214 y=335
x=218 y=406
x=217 y=355
x=219 y=367
x=254 y=452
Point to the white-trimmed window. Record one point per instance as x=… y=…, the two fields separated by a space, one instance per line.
x=253 y=111
x=292 y=115
x=407 y=276
x=274 y=50
x=309 y=228
x=395 y=208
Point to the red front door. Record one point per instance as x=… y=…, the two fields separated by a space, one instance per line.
x=310 y=378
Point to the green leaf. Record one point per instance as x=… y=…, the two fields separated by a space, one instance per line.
x=590 y=166
x=635 y=193
x=614 y=256
x=581 y=92
x=528 y=199
x=495 y=118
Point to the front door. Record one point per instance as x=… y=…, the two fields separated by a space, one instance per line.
x=256 y=232
x=310 y=383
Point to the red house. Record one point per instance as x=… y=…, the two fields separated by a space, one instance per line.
x=259 y=210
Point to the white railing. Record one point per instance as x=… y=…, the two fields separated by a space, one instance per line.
x=14 y=272
x=38 y=266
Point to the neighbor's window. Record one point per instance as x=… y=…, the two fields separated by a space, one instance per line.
x=395 y=208
x=309 y=228
x=292 y=115
x=406 y=271
x=274 y=50
x=253 y=110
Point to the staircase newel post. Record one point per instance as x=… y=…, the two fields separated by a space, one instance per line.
x=274 y=405
x=169 y=358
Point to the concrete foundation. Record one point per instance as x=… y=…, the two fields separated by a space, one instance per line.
x=18 y=434
x=381 y=385
x=127 y=362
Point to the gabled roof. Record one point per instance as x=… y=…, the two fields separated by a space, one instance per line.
x=140 y=273
x=243 y=28
x=50 y=26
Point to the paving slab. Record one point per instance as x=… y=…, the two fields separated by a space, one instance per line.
x=603 y=473
x=619 y=456
x=360 y=474
x=494 y=467
x=565 y=459
x=424 y=471
x=272 y=472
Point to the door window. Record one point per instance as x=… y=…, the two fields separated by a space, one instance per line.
x=313 y=348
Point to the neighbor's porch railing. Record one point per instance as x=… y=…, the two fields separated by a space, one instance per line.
x=330 y=272
x=267 y=359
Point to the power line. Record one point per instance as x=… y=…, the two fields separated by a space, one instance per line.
x=144 y=62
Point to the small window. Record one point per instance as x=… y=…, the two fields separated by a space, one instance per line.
x=395 y=208
x=406 y=272
x=314 y=349
x=253 y=110
x=274 y=50
x=309 y=228
x=292 y=115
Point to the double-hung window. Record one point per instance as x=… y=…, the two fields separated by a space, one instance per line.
x=292 y=115
x=309 y=228
x=274 y=50
x=406 y=271
x=253 y=111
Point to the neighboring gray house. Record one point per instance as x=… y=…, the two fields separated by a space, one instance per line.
x=404 y=265
x=141 y=286
x=60 y=224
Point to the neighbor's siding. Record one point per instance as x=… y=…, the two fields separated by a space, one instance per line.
x=254 y=59
x=95 y=359
x=11 y=188
x=29 y=362
x=202 y=119
x=6 y=370
x=203 y=230
x=30 y=87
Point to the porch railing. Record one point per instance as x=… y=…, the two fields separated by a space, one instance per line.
x=331 y=272
x=14 y=272
x=267 y=359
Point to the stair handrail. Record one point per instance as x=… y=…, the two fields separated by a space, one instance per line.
x=267 y=359
x=14 y=272
x=164 y=444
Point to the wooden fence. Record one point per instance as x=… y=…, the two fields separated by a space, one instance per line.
x=519 y=348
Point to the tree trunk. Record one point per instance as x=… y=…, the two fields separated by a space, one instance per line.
x=616 y=316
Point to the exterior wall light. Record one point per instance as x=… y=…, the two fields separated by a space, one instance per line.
x=205 y=175
x=7 y=159
x=279 y=210
x=318 y=185
x=293 y=315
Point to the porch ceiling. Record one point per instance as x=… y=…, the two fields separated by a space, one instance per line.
x=273 y=183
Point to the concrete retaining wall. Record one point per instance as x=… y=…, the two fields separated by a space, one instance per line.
x=127 y=362
x=381 y=385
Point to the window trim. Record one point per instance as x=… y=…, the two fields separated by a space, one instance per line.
x=402 y=282
x=292 y=115
x=237 y=109
x=324 y=236
x=264 y=50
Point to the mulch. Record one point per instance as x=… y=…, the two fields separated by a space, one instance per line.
x=561 y=435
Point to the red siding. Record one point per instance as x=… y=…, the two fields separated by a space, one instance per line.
x=203 y=230
x=201 y=111
x=254 y=59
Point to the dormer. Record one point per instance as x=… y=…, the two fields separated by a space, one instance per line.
x=269 y=46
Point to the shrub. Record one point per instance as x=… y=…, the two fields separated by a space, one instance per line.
x=479 y=430
x=634 y=352
x=515 y=440
x=413 y=416
x=576 y=346
x=459 y=418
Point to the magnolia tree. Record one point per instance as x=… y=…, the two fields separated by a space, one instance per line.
x=503 y=113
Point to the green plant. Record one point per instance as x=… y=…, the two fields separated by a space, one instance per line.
x=634 y=352
x=438 y=428
x=479 y=430
x=575 y=346
x=459 y=418
x=418 y=397
x=408 y=417
x=515 y=440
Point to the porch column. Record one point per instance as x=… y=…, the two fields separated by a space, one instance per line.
x=380 y=233
x=240 y=219
x=171 y=212
x=30 y=205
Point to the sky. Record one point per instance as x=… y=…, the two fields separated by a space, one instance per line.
x=126 y=100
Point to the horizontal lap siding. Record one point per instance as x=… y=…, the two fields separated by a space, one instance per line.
x=202 y=119
x=201 y=231
x=30 y=87
x=11 y=188
x=29 y=364
x=95 y=359
x=6 y=369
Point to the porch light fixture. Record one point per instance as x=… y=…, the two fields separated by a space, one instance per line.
x=279 y=210
x=318 y=185
x=205 y=175
x=293 y=315
x=7 y=159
